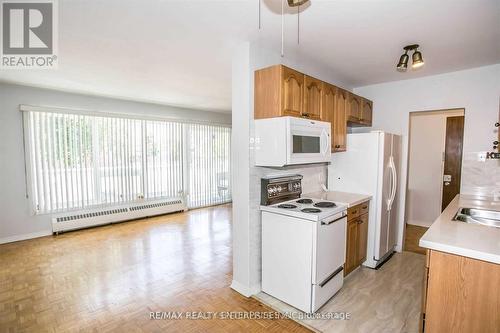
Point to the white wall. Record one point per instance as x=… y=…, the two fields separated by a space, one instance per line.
x=425 y=166
x=15 y=220
x=475 y=90
x=246 y=184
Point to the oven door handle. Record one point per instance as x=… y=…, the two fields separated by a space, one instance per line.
x=330 y=222
x=331 y=276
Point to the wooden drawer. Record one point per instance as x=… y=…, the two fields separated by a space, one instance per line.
x=353 y=212
x=364 y=208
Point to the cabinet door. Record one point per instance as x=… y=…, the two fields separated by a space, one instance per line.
x=362 y=238
x=351 y=246
x=354 y=112
x=339 y=130
x=366 y=112
x=328 y=107
x=312 y=98
x=292 y=83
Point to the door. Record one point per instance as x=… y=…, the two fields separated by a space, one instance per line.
x=308 y=141
x=312 y=98
x=330 y=247
x=366 y=112
x=328 y=108
x=351 y=246
x=354 y=113
x=292 y=84
x=362 y=238
x=339 y=135
x=452 y=159
x=393 y=214
x=385 y=192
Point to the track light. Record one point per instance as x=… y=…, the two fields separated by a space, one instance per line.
x=403 y=62
x=417 y=60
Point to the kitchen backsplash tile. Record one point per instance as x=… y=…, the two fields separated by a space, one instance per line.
x=480 y=176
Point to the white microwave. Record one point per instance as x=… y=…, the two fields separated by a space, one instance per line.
x=288 y=140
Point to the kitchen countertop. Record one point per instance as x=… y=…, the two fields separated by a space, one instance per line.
x=464 y=239
x=345 y=198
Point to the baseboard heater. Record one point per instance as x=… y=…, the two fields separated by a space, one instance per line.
x=95 y=217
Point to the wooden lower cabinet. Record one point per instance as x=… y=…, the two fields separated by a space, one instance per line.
x=357 y=236
x=460 y=295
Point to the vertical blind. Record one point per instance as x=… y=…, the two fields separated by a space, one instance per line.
x=79 y=161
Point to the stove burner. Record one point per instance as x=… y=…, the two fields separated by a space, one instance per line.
x=305 y=201
x=311 y=210
x=324 y=204
x=287 y=206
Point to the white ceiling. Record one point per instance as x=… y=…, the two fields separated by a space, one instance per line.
x=179 y=52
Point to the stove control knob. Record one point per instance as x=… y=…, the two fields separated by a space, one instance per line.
x=279 y=189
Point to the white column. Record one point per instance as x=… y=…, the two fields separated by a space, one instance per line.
x=241 y=109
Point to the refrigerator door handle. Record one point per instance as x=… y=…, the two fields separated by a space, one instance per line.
x=394 y=182
x=391 y=182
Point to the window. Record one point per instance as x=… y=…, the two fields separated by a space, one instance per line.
x=78 y=161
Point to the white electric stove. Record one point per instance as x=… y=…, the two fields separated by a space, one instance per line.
x=303 y=244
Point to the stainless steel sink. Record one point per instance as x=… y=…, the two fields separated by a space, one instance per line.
x=478 y=216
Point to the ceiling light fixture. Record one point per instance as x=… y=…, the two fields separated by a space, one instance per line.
x=291 y=3
x=417 y=60
x=296 y=3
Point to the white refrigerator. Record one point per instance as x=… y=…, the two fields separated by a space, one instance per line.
x=371 y=166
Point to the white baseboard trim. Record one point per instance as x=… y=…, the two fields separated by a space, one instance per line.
x=246 y=290
x=22 y=237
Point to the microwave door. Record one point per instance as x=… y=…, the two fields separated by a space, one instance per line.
x=306 y=147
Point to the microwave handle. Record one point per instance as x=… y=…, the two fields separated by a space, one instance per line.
x=324 y=142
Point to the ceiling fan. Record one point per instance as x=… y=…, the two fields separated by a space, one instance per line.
x=296 y=3
x=291 y=3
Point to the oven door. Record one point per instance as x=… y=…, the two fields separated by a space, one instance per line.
x=308 y=142
x=330 y=247
x=328 y=259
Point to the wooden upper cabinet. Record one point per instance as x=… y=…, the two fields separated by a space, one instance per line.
x=278 y=92
x=312 y=98
x=354 y=112
x=292 y=83
x=328 y=107
x=339 y=129
x=366 y=112
x=329 y=92
x=281 y=91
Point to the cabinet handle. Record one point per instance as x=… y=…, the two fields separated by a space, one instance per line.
x=354 y=211
x=337 y=146
x=365 y=207
x=306 y=115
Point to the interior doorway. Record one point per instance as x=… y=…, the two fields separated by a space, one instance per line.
x=434 y=168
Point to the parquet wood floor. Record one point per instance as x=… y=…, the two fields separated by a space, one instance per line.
x=109 y=279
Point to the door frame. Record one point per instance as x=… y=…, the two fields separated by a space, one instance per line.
x=408 y=166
